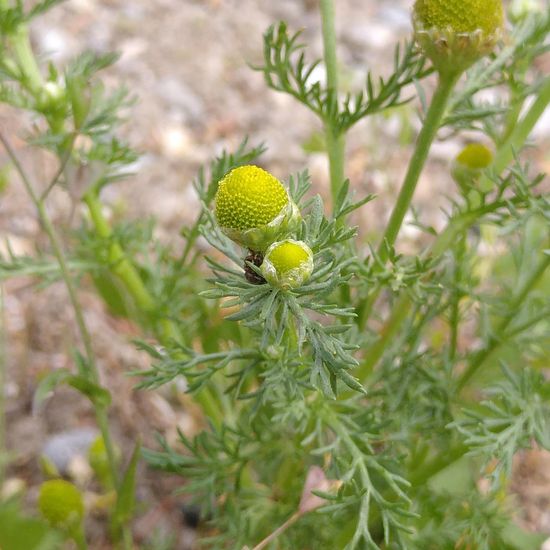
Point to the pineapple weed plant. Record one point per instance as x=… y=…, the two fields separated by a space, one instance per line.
x=343 y=408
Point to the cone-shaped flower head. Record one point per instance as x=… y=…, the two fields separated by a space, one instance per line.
x=254 y=209
x=456 y=33
x=287 y=264
x=60 y=502
x=470 y=163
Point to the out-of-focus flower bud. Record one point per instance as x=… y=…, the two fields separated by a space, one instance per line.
x=287 y=264
x=52 y=97
x=470 y=164
x=99 y=462
x=254 y=209
x=60 y=502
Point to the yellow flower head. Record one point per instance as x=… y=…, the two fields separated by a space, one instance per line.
x=60 y=502
x=253 y=207
x=456 y=33
x=462 y=16
x=288 y=264
x=249 y=197
x=288 y=255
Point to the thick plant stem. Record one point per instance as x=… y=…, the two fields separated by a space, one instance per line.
x=119 y=263
x=335 y=147
x=500 y=332
x=425 y=139
x=335 y=140
x=57 y=248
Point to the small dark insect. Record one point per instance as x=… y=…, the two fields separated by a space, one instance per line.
x=255 y=258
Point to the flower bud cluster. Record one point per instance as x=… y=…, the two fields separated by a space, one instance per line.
x=255 y=210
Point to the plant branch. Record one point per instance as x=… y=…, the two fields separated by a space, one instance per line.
x=425 y=139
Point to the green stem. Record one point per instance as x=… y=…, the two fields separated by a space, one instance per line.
x=127 y=539
x=336 y=145
x=500 y=332
x=25 y=58
x=425 y=139
x=423 y=144
x=519 y=135
x=119 y=263
x=454 y=318
x=80 y=538
x=335 y=140
x=329 y=43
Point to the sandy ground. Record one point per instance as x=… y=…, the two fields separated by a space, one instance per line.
x=187 y=63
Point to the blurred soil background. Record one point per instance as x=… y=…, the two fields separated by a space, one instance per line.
x=187 y=62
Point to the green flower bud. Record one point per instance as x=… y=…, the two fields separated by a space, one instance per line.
x=60 y=502
x=287 y=264
x=454 y=34
x=99 y=462
x=470 y=164
x=52 y=98
x=254 y=209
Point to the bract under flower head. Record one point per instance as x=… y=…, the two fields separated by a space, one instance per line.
x=287 y=264
x=60 y=502
x=456 y=33
x=253 y=208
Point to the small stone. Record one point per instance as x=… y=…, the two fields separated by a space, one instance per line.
x=12 y=487
x=62 y=448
